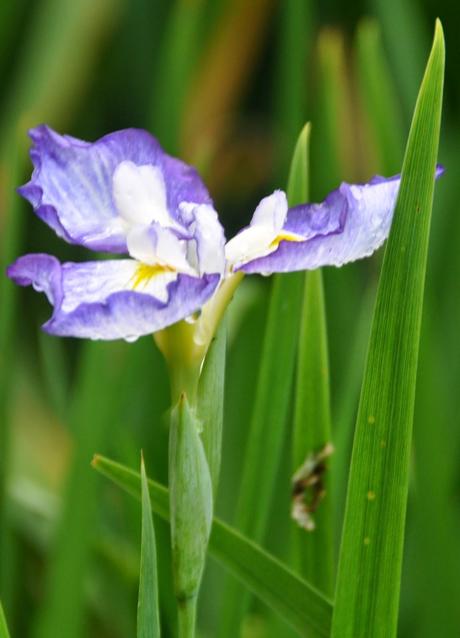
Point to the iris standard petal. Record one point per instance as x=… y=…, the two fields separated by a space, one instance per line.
x=113 y=299
x=350 y=224
x=72 y=187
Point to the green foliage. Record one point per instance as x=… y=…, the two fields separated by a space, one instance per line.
x=227 y=84
x=368 y=586
x=148 y=617
x=191 y=510
x=4 y=633
x=300 y=604
x=210 y=403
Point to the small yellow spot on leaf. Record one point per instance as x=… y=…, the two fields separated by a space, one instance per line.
x=371 y=419
x=367 y=541
x=383 y=443
x=370 y=495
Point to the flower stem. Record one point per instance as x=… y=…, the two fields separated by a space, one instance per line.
x=187 y=618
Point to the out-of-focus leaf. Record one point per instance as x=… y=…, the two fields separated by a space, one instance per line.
x=379 y=97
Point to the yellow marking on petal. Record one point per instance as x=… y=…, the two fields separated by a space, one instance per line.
x=285 y=237
x=146 y=272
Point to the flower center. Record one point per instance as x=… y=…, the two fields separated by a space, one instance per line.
x=146 y=272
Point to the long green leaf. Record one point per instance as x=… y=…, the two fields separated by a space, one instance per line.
x=51 y=71
x=63 y=609
x=210 y=403
x=312 y=419
x=300 y=604
x=367 y=595
x=295 y=28
x=270 y=410
x=312 y=437
x=398 y=19
x=4 y=633
x=379 y=97
x=148 y=617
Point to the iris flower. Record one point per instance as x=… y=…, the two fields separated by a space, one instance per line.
x=123 y=194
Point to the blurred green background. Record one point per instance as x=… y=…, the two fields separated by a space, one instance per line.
x=226 y=85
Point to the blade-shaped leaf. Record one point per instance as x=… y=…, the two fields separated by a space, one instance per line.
x=300 y=604
x=4 y=633
x=210 y=404
x=148 y=617
x=312 y=439
x=367 y=595
x=270 y=409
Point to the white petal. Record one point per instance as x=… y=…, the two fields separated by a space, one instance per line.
x=139 y=193
x=271 y=211
x=207 y=248
x=250 y=243
x=154 y=245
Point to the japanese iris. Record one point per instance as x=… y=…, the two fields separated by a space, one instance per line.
x=124 y=194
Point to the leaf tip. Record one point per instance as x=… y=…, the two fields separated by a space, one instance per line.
x=439 y=35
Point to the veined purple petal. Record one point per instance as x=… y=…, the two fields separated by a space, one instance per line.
x=72 y=183
x=98 y=300
x=351 y=223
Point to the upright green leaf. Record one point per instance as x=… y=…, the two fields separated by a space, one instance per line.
x=148 y=616
x=210 y=402
x=178 y=53
x=51 y=71
x=405 y=36
x=368 y=586
x=191 y=507
x=312 y=442
x=63 y=609
x=268 y=430
x=379 y=97
x=313 y=537
x=295 y=31
x=4 y=633
x=300 y=604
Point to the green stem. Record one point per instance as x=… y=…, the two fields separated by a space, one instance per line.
x=187 y=618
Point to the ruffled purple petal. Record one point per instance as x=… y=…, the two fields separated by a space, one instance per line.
x=350 y=224
x=71 y=186
x=95 y=300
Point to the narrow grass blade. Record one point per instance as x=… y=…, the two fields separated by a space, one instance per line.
x=148 y=616
x=210 y=404
x=48 y=80
x=312 y=419
x=268 y=427
x=300 y=604
x=63 y=606
x=178 y=54
x=368 y=586
x=10 y=231
x=434 y=536
x=312 y=441
x=238 y=26
x=405 y=37
x=295 y=37
x=379 y=97
x=4 y=633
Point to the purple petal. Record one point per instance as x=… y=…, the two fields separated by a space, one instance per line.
x=350 y=224
x=71 y=185
x=95 y=300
